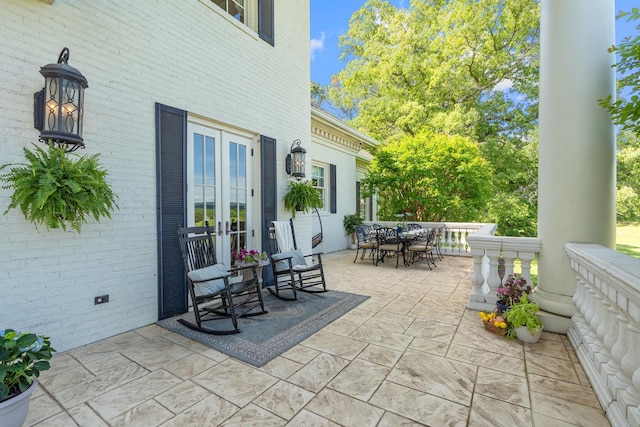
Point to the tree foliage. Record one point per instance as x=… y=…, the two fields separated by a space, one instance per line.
x=514 y=180
x=446 y=66
x=435 y=177
x=628 y=182
x=625 y=110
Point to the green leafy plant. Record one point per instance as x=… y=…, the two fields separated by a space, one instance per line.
x=301 y=196
x=350 y=222
x=56 y=190
x=23 y=355
x=523 y=313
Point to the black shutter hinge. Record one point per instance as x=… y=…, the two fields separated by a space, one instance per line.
x=252 y=192
x=253 y=233
x=252 y=152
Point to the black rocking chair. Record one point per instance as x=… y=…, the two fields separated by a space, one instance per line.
x=215 y=294
x=291 y=270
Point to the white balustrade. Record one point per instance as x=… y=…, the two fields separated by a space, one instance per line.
x=605 y=330
x=487 y=251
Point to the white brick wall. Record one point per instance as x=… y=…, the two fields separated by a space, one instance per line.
x=133 y=53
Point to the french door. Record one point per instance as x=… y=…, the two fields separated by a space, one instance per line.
x=218 y=187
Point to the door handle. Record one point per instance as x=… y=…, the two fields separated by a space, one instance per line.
x=228 y=229
x=219 y=228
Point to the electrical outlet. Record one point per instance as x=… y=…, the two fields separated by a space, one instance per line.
x=101 y=299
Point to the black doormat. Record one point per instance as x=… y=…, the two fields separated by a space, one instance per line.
x=265 y=337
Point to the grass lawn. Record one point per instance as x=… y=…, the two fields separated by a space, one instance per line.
x=628 y=240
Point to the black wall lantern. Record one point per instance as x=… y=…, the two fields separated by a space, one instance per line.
x=58 y=107
x=295 y=160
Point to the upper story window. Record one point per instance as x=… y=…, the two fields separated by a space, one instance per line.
x=255 y=14
x=319 y=183
x=234 y=8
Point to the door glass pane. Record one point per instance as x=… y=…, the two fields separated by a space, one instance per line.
x=211 y=160
x=198 y=205
x=242 y=166
x=233 y=165
x=198 y=162
x=242 y=209
x=210 y=212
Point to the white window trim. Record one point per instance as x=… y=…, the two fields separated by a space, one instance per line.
x=251 y=16
x=326 y=187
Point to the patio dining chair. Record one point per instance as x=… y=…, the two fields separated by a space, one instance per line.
x=389 y=243
x=365 y=241
x=215 y=294
x=292 y=270
x=424 y=248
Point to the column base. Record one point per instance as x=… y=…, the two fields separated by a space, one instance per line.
x=554 y=323
x=561 y=305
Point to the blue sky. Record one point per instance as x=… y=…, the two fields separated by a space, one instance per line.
x=330 y=19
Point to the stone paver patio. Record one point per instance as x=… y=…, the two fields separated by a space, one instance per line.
x=412 y=354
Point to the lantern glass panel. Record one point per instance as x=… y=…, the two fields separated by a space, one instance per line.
x=297 y=163
x=52 y=102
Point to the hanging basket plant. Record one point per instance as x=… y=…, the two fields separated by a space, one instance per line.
x=301 y=196
x=59 y=189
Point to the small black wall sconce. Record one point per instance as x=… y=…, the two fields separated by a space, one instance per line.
x=295 y=160
x=58 y=108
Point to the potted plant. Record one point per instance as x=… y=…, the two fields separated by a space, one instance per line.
x=23 y=356
x=54 y=189
x=350 y=222
x=301 y=196
x=523 y=321
x=511 y=291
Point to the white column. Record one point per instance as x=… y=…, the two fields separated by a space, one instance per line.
x=577 y=145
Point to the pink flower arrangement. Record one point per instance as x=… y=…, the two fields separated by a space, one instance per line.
x=250 y=256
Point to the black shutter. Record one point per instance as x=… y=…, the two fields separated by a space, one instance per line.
x=171 y=135
x=269 y=180
x=265 y=21
x=333 y=195
x=358 y=197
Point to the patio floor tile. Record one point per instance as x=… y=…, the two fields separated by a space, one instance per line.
x=411 y=355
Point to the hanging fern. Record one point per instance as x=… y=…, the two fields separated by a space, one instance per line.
x=54 y=189
x=301 y=196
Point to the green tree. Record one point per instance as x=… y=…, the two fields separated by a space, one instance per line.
x=628 y=182
x=433 y=176
x=625 y=110
x=514 y=206
x=453 y=67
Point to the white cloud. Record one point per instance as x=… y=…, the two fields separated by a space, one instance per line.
x=317 y=44
x=504 y=85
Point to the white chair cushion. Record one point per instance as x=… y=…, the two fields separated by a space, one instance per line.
x=208 y=280
x=297 y=260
